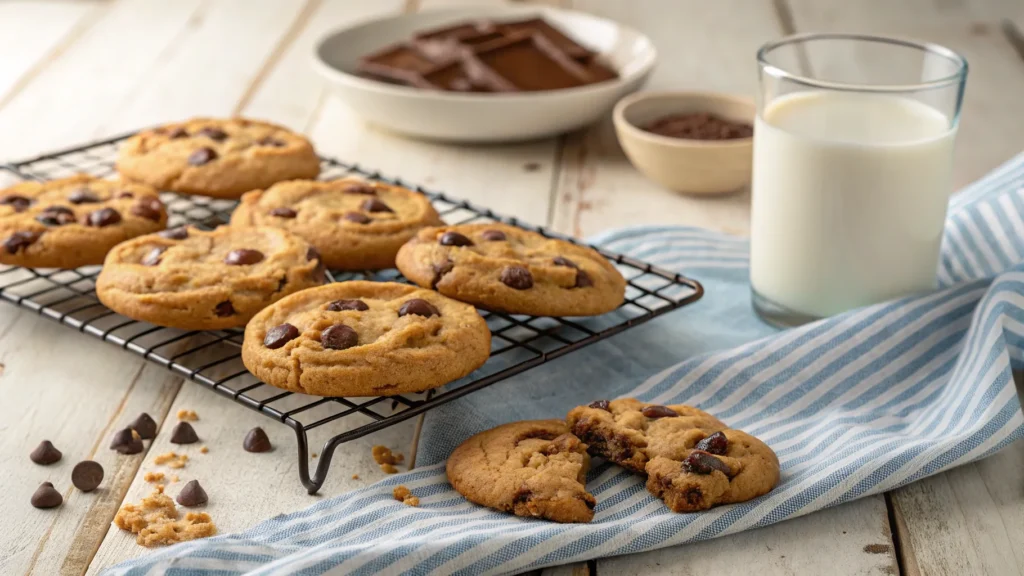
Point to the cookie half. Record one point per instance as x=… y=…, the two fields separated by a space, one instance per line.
x=510 y=269
x=534 y=468
x=365 y=339
x=356 y=225
x=74 y=221
x=217 y=157
x=197 y=280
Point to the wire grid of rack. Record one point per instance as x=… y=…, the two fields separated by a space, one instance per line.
x=213 y=358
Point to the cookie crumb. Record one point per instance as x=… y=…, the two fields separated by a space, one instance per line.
x=204 y=449
x=174 y=478
x=171 y=459
x=405 y=496
x=385 y=457
x=313 y=455
x=156 y=521
x=189 y=415
x=153 y=477
x=355 y=476
x=388 y=468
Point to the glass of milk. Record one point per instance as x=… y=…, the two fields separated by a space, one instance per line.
x=853 y=144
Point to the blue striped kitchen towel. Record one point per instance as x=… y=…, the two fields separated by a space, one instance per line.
x=854 y=405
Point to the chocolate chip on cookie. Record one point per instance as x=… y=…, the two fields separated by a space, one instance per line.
x=348 y=304
x=600 y=405
x=359 y=188
x=375 y=205
x=148 y=208
x=357 y=217
x=655 y=411
x=215 y=134
x=21 y=240
x=454 y=239
x=19 y=203
x=716 y=443
x=419 y=307
x=56 y=216
x=83 y=196
x=284 y=212
x=563 y=261
x=243 y=257
x=516 y=277
x=224 y=309
x=202 y=156
x=699 y=462
x=103 y=217
x=152 y=258
x=280 y=335
x=339 y=337
x=493 y=235
x=179 y=233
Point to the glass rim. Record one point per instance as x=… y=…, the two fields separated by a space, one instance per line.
x=929 y=47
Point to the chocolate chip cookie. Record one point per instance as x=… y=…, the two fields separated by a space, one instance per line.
x=365 y=339
x=356 y=225
x=514 y=270
x=197 y=280
x=74 y=221
x=534 y=468
x=217 y=157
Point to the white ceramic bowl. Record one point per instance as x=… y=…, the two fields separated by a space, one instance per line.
x=475 y=117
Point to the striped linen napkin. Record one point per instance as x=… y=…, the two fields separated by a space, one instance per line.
x=854 y=405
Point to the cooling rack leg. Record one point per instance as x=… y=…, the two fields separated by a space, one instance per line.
x=312 y=484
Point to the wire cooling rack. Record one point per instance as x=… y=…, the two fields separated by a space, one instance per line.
x=213 y=358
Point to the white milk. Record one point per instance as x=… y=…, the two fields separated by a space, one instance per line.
x=849 y=199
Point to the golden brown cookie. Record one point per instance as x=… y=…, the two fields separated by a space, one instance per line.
x=365 y=339
x=217 y=157
x=356 y=225
x=198 y=280
x=510 y=269
x=74 y=221
x=534 y=468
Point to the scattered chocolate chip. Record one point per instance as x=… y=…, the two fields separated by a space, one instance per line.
x=655 y=411
x=562 y=261
x=360 y=189
x=46 y=496
x=284 y=212
x=178 y=133
x=126 y=443
x=339 y=337
x=454 y=239
x=48 y=218
x=87 y=475
x=184 y=433
x=272 y=142
x=202 y=156
x=375 y=205
x=339 y=305
x=357 y=217
x=153 y=257
x=192 y=494
x=243 y=256
x=19 y=203
x=224 y=309
x=148 y=208
x=179 y=233
x=82 y=196
x=703 y=463
x=531 y=166
x=215 y=134
x=600 y=405
x=21 y=240
x=516 y=277
x=717 y=443
x=103 y=217
x=45 y=453
x=145 y=426
x=256 y=441
x=419 y=307
x=440 y=270
x=280 y=335
x=583 y=279
x=493 y=235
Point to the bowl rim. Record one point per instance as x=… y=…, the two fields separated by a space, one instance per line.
x=634 y=131
x=649 y=56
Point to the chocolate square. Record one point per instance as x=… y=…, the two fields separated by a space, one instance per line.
x=531 y=63
x=540 y=26
x=467 y=74
x=397 y=64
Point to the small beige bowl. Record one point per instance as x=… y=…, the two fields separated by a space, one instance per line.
x=689 y=166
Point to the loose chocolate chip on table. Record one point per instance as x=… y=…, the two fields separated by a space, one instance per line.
x=103 y=217
x=153 y=257
x=45 y=453
x=87 y=475
x=19 y=203
x=256 y=441
x=184 y=433
x=273 y=142
x=224 y=309
x=213 y=133
x=148 y=208
x=600 y=405
x=703 y=463
x=145 y=426
x=339 y=305
x=360 y=189
x=375 y=205
x=454 y=239
x=492 y=235
x=717 y=443
x=202 y=156
x=516 y=277
x=583 y=279
x=21 y=240
x=283 y=212
x=179 y=233
x=46 y=496
x=126 y=443
x=339 y=337
x=440 y=270
x=243 y=256
x=82 y=196
x=655 y=411
x=357 y=217
x=562 y=261
x=419 y=307
x=192 y=494
x=280 y=335
x=178 y=133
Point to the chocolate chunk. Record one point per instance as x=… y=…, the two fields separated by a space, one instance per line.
x=19 y=203
x=55 y=218
x=153 y=257
x=600 y=405
x=339 y=337
x=440 y=270
x=583 y=279
x=419 y=307
x=179 y=233
x=272 y=142
x=360 y=189
x=256 y=441
x=145 y=426
x=224 y=309
x=212 y=133
x=562 y=261
x=126 y=195
x=21 y=240
x=46 y=496
x=184 y=433
x=103 y=217
x=202 y=156
x=87 y=475
x=493 y=235
x=148 y=208
x=454 y=239
x=693 y=496
x=280 y=335
x=82 y=196
x=375 y=205
x=284 y=212
x=243 y=256
x=58 y=210
x=339 y=305
x=178 y=133
x=192 y=494
x=357 y=217
x=126 y=443
x=516 y=277
x=703 y=463
x=655 y=411
x=717 y=443
x=45 y=453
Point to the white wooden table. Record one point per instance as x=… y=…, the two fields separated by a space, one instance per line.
x=72 y=71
